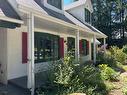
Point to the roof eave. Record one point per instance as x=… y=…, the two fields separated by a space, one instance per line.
x=8 y=19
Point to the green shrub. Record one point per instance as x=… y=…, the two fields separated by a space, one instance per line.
x=107 y=73
x=90 y=76
x=63 y=70
x=124 y=90
x=68 y=77
x=125 y=49
x=106 y=58
x=118 y=54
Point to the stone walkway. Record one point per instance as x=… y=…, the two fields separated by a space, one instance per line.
x=120 y=85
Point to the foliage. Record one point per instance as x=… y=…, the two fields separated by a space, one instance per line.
x=108 y=17
x=113 y=57
x=106 y=58
x=109 y=85
x=107 y=73
x=124 y=90
x=118 y=54
x=92 y=79
x=125 y=49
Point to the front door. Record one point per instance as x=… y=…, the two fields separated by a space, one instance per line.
x=3 y=56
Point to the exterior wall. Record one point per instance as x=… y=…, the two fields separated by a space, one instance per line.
x=78 y=12
x=14 y=47
x=3 y=55
x=15 y=67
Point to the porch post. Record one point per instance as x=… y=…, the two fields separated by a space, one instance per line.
x=104 y=44
x=94 y=49
x=30 y=67
x=77 y=55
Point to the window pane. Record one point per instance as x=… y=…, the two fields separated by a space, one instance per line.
x=71 y=45
x=41 y=49
x=87 y=16
x=48 y=48
x=55 y=3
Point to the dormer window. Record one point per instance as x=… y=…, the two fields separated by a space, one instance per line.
x=87 y=16
x=55 y=3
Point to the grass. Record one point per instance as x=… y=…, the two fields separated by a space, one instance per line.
x=125 y=67
x=110 y=86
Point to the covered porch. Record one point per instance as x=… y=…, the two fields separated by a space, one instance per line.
x=46 y=24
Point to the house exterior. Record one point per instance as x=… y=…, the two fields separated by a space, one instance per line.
x=38 y=32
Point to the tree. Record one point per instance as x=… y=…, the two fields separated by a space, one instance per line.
x=109 y=17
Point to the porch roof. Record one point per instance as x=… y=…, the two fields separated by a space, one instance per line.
x=8 y=16
x=53 y=13
x=44 y=13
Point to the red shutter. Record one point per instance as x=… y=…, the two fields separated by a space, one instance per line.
x=87 y=47
x=80 y=46
x=61 y=47
x=24 y=47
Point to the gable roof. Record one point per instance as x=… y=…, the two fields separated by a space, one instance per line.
x=83 y=24
x=53 y=13
x=6 y=10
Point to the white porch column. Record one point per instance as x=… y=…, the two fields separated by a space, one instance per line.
x=104 y=44
x=77 y=54
x=30 y=67
x=94 y=49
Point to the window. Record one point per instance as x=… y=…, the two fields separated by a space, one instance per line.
x=87 y=16
x=71 y=45
x=84 y=50
x=55 y=3
x=46 y=47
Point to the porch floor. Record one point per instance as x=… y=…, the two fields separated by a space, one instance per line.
x=40 y=80
x=12 y=90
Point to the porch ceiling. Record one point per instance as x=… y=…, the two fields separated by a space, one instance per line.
x=59 y=28
x=54 y=27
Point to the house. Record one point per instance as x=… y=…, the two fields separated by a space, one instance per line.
x=37 y=32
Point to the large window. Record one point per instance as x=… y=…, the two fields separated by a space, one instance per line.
x=55 y=3
x=71 y=45
x=46 y=47
x=87 y=16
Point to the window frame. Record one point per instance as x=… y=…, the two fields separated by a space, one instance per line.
x=43 y=37
x=85 y=48
x=87 y=16
x=54 y=4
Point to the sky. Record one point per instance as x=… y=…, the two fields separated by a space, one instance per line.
x=67 y=1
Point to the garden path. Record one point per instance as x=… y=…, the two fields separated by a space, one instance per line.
x=119 y=85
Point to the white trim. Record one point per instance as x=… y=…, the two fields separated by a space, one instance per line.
x=5 y=18
x=77 y=54
x=30 y=6
x=54 y=8
x=30 y=67
x=94 y=49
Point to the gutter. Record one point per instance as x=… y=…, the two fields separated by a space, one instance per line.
x=5 y=18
